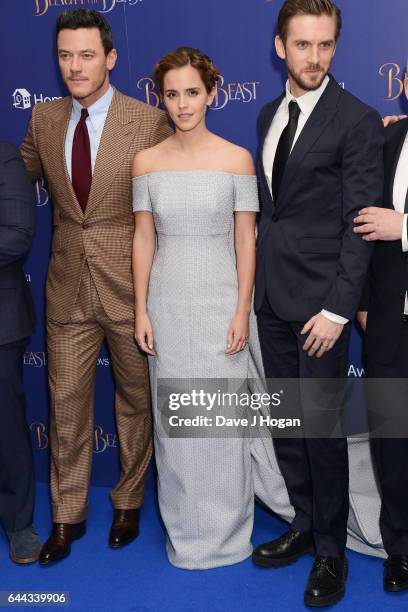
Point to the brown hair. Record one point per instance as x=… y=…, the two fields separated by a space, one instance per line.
x=185 y=56
x=291 y=8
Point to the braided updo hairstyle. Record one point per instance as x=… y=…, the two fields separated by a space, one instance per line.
x=185 y=56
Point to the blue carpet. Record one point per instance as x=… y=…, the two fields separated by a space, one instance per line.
x=139 y=577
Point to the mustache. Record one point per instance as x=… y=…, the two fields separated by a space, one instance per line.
x=314 y=67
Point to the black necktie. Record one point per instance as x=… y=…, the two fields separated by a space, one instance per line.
x=284 y=148
x=406 y=203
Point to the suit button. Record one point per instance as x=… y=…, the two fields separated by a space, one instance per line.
x=274 y=218
x=85 y=225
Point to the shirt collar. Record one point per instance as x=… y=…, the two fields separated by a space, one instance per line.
x=97 y=111
x=308 y=101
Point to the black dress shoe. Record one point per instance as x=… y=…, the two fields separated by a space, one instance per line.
x=396 y=573
x=327 y=580
x=58 y=545
x=284 y=550
x=125 y=528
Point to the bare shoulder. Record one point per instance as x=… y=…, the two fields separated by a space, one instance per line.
x=237 y=159
x=148 y=160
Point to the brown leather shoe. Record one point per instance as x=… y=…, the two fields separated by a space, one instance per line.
x=58 y=545
x=125 y=528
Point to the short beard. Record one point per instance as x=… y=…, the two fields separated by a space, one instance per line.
x=302 y=84
x=98 y=88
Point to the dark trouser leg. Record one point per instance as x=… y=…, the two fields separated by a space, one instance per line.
x=390 y=454
x=328 y=452
x=280 y=359
x=315 y=469
x=17 y=484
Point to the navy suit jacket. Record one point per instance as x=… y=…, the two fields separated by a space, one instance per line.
x=387 y=284
x=308 y=257
x=17 y=226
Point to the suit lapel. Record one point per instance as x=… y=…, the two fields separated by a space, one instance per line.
x=315 y=125
x=117 y=135
x=59 y=126
x=264 y=128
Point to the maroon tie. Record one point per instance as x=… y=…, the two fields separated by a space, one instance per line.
x=81 y=161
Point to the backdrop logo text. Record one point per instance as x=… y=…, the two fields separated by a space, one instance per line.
x=103 y=6
x=394 y=77
x=244 y=92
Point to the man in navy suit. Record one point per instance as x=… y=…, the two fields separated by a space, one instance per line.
x=320 y=162
x=385 y=298
x=17 y=225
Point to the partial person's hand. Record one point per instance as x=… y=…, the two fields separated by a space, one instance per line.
x=390 y=119
x=144 y=334
x=361 y=317
x=323 y=335
x=238 y=333
x=379 y=224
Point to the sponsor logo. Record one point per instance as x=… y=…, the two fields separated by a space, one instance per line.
x=244 y=92
x=41 y=7
x=103 y=361
x=394 y=78
x=22 y=98
x=355 y=372
x=35 y=359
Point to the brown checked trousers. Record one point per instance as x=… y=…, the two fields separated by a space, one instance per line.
x=90 y=298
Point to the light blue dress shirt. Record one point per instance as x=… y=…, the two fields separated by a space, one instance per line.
x=95 y=124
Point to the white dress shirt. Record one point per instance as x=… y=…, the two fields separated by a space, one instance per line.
x=398 y=197
x=95 y=124
x=306 y=103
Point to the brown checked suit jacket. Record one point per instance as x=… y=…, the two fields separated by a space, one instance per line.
x=102 y=236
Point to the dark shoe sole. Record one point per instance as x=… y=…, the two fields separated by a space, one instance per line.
x=24 y=560
x=395 y=588
x=322 y=602
x=328 y=600
x=46 y=562
x=261 y=561
x=125 y=543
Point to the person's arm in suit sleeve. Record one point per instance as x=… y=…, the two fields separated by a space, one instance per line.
x=161 y=130
x=362 y=185
x=17 y=207
x=29 y=151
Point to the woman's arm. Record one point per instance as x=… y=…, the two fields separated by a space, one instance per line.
x=144 y=246
x=245 y=253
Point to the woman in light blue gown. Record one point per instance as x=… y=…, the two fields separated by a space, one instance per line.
x=196 y=194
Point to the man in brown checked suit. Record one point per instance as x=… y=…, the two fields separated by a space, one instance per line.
x=84 y=145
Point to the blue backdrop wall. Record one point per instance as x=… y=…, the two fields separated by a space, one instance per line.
x=238 y=34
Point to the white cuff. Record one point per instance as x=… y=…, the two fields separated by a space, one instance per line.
x=334 y=317
x=404 y=237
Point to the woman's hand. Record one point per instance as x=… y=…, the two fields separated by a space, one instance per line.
x=238 y=333
x=144 y=333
